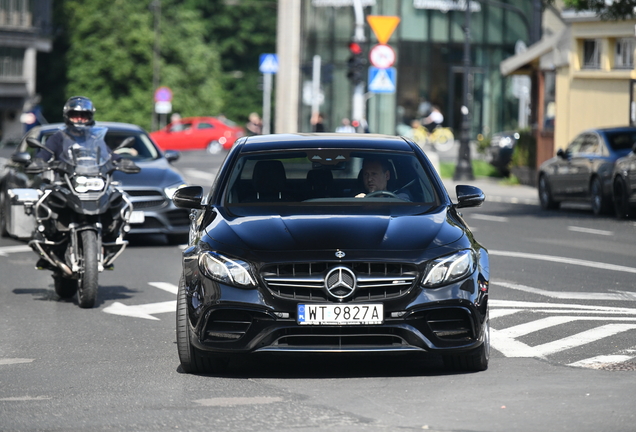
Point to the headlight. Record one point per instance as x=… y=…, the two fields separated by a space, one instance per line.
x=83 y=184
x=450 y=268
x=170 y=190
x=226 y=270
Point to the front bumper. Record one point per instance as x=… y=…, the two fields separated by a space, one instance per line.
x=443 y=320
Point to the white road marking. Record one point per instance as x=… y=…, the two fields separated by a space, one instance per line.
x=590 y=231
x=488 y=217
x=5 y=250
x=498 y=313
x=616 y=295
x=24 y=398
x=233 y=401
x=560 y=307
x=602 y=360
x=582 y=338
x=556 y=259
x=171 y=288
x=10 y=361
x=534 y=326
x=142 y=311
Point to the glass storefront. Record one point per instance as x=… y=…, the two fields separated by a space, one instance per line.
x=429 y=46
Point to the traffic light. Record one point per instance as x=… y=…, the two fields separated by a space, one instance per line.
x=356 y=63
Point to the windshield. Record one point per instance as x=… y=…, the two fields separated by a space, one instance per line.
x=85 y=147
x=319 y=177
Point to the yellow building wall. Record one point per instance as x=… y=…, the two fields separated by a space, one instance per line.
x=592 y=98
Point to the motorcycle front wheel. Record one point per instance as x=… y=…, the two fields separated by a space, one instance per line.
x=87 y=289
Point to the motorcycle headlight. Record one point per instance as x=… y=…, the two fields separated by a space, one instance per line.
x=170 y=190
x=83 y=184
x=449 y=268
x=226 y=270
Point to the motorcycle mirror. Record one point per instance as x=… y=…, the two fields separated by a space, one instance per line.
x=126 y=143
x=22 y=158
x=33 y=143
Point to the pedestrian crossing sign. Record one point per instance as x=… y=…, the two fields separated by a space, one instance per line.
x=268 y=63
x=382 y=80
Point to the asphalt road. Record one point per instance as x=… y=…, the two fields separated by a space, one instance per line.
x=563 y=313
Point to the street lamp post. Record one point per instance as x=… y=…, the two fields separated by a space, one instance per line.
x=464 y=168
x=156 y=8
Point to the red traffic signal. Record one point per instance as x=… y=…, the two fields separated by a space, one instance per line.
x=355 y=48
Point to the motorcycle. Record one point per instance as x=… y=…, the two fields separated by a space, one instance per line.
x=81 y=217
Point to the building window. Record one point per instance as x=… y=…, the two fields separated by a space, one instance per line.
x=591 y=54
x=11 y=61
x=624 y=58
x=16 y=13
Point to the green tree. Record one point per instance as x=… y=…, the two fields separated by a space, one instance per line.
x=610 y=10
x=242 y=30
x=108 y=56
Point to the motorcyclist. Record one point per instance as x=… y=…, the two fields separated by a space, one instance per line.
x=78 y=114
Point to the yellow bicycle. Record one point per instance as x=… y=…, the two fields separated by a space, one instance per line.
x=442 y=138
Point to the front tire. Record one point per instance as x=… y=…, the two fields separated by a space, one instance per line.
x=621 y=199
x=87 y=292
x=545 y=195
x=600 y=203
x=191 y=359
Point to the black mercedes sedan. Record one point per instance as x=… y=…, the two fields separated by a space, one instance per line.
x=583 y=171
x=150 y=190
x=331 y=244
x=624 y=185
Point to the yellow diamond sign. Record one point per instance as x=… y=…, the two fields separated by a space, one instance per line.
x=383 y=26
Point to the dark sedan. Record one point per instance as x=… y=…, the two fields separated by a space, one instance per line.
x=625 y=185
x=583 y=171
x=324 y=244
x=150 y=190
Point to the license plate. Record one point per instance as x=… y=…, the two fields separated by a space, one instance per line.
x=332 y=314
x=137 y=217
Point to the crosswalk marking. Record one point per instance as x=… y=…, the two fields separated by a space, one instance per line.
x=595 y=362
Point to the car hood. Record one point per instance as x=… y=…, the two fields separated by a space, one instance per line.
x=336 y=232
x=158 y=173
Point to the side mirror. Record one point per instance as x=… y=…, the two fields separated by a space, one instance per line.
x=469 y=196
x=562 y=154
x=188 y=197
x=128 y=167
x=33 y=143
x=172 y=155
x=22 y=158
x=634 y=148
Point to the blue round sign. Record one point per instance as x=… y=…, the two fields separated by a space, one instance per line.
x=163 y=94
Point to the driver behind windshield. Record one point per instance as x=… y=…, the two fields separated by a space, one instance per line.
x=376 y=174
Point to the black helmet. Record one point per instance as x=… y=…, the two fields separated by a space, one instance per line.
x=79 y=107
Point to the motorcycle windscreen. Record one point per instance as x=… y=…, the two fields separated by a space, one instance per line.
x=85 y=149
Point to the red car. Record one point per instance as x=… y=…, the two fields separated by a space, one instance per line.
x=197 y=133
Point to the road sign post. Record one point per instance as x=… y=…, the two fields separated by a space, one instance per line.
x=268 y=65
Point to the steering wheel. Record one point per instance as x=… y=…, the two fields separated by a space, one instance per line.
x=380 y=193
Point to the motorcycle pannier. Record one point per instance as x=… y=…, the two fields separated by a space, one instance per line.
x=20 y=220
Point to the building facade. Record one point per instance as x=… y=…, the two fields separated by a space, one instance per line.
x=429 y=66
x=25 y=28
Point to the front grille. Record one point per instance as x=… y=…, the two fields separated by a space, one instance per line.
x=340 y=338
x=146 y=198
x=306 y=281
x=138 y=205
